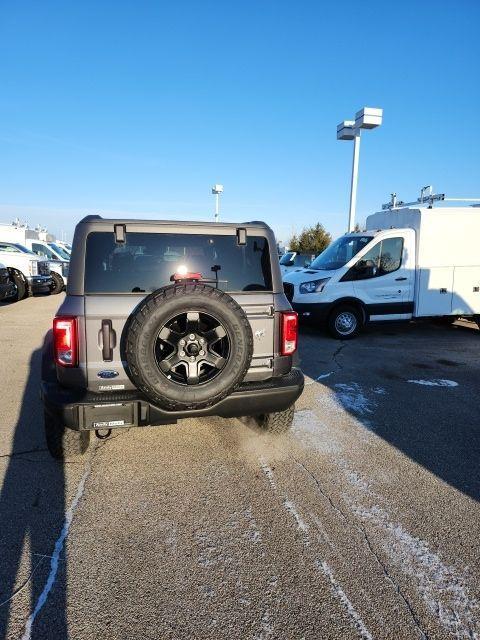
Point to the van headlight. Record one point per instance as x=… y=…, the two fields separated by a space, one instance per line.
x=314 y=286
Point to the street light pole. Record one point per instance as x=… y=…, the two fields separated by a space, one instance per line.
x=354 y=182
x=366 y=118
x=217 y=189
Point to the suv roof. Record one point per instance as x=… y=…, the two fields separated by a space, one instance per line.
x=93 y=223
x=96 y=219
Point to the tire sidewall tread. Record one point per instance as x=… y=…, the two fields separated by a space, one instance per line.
x=64 y=443
x=277 y=422
x=142 y=333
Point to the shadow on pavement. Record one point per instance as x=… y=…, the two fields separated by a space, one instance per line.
x=437 y=427
x=32 y=509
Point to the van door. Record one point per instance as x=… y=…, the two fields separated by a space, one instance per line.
x=384 y=277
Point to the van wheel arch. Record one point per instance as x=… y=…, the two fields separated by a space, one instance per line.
x=349 y=306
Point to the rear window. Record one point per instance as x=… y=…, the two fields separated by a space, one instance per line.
x=147 y=261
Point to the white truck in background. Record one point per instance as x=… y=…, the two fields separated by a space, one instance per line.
x=36 y=241
x=28 y=272
x=410 y=262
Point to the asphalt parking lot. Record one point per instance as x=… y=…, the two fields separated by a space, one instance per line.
x=363 y=522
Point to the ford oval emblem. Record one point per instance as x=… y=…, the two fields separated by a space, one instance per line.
x=107 y=374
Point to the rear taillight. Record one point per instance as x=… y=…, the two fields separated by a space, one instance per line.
x=65 y=341
x=289 y=332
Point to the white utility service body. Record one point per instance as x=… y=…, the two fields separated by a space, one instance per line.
x=409 y=263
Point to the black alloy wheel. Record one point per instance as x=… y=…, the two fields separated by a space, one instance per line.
x=192 y=348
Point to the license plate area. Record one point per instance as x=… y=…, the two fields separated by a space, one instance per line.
x=115 y=415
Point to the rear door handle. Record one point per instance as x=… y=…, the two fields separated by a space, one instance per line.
x=399 y=279
x=107 y=340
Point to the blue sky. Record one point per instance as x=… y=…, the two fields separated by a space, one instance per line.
x=137 y=108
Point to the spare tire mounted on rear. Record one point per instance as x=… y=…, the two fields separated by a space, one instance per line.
x=188 y=346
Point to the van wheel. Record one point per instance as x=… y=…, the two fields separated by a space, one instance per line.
x=21 y=284
x=278 y=421
x=64 y=443
x=345 y=322
x=58 y=283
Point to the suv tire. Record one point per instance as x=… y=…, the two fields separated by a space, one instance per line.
x=157 y=375
x=345 y=322
x=278 y=422
x=64 y=443
x=58 y=283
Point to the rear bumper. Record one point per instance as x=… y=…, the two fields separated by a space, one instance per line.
x=39 y=284
x=81 y=410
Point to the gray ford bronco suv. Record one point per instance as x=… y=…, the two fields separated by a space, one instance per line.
x=166 y=320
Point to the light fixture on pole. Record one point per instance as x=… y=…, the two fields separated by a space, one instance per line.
x=366 y=118
x=217 y=189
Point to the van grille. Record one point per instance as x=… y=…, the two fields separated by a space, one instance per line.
x=288 y=288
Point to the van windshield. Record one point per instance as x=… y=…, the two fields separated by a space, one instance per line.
x=287 y=258
x=23 y=249
x=340 y=252
x=63 y=254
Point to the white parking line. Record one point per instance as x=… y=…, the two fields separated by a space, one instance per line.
x=340 y=594
x=321 y=565
x=56 y=552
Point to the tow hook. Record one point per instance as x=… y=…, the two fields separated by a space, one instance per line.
x=103 y=434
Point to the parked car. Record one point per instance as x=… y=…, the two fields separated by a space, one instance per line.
x=169 y=320
x=29 y=273
x=293 y=260
x=410 y=263
x=7 y=286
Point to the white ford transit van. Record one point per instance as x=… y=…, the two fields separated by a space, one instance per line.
x=409 y=263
